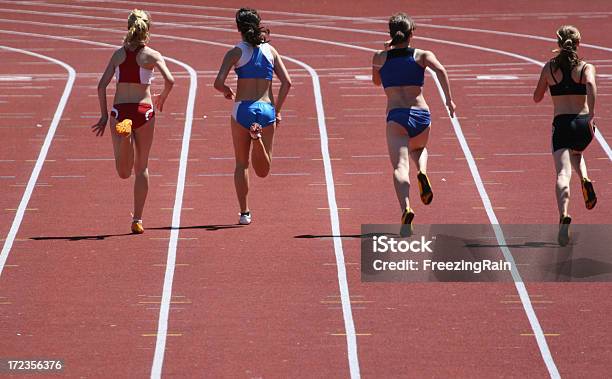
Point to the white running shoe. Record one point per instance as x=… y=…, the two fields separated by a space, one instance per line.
x=245 y=218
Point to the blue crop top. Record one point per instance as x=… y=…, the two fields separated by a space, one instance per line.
x=255 y=62
x=400 y=69
x=567 y=85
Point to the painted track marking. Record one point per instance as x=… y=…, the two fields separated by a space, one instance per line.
x=57 y=116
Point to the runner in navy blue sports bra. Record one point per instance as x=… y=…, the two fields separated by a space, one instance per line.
x=572 y=87
x=400 y=69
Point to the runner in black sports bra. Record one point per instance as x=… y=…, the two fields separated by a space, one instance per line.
x=573 y=127
x=570 y=131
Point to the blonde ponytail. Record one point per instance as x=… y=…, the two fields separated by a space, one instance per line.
x=568 y=39
x=138 y=28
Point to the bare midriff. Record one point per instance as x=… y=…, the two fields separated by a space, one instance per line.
x=405 y=97
x=133 y=93
x=254 y=90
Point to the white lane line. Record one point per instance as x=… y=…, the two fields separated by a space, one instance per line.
x=20 y=96
x=499 y=94
x=15 y=78
x=522 y=154
x=88 y=159
x=371 y=156
x=162 y=327
x=463 y=19
x=505 y=69
x=10 y=238
x=162 y=330
x=349 y=324
x=497 y=77
x=217 y=174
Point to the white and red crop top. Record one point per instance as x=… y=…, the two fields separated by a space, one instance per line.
x=130 y=72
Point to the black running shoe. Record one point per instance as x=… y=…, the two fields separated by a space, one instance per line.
x=425 y=188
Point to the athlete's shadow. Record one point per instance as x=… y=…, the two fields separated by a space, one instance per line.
x=356 y=236
x=101 y=237
x=210 y=228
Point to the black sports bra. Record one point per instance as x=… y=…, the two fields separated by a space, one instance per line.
x=567 y=85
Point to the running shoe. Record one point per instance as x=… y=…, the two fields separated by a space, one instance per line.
x=425 y=188
x=255 y=131
x=564 y=230
x=137 y=227
x=245 y=218
x=124 y=128
x=406 y=228
x=588 y=193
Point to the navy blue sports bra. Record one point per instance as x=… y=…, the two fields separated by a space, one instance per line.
x=567 y=85
x=400 y=69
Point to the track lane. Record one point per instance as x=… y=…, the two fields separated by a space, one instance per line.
x=65 y=303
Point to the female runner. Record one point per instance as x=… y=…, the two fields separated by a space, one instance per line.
x=400 y=69
x=132 y=116
x=571 y=82
x=256 y=115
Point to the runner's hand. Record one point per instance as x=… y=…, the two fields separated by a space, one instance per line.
x=159 y=100
x=228 y=93
x=279 y=118
x=592 y=122
x=451 y=108
x=99 y=127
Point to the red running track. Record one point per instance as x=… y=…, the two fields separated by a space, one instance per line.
x=264 y=300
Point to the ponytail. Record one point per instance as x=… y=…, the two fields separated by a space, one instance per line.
x=568 y=38
x=138 y=28
x=247 y=21
x=401 y=27
x=397 y=38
